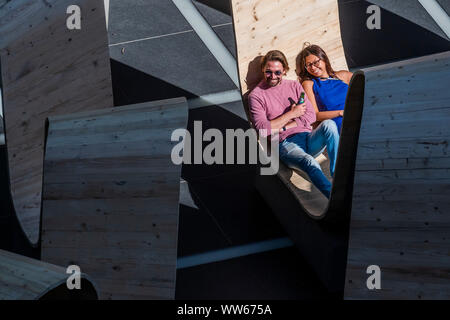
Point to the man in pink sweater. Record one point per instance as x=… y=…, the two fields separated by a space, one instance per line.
x=274 y=109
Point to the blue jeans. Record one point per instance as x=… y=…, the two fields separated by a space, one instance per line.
x=299 y=152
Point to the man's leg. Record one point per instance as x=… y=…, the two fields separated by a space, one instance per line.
x=292 y=154
x=326 y=134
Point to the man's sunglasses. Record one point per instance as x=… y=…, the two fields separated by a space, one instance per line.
x=277 y=73
x=315 y=64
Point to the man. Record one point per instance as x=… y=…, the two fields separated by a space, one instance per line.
x=271 y=107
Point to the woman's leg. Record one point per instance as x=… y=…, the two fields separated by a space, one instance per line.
x=292 y=153
x=326 y=134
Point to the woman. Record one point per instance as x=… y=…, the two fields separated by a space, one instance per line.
x=326 y=89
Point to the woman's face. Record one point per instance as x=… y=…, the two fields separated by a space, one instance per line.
x=315 y=66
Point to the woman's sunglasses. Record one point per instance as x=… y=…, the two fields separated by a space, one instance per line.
x=315 y=64
x=277 y=73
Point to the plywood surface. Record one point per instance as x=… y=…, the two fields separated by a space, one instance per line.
x=47 y=70
x=400 y=218
x=261 y=26
x=110 y=202
x=22 y=278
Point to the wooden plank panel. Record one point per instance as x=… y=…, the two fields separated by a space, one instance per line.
x=111 y=206
x=400 y=218
x=23 y=278
x=312 y=221
x=47 y=70
x=261 y=26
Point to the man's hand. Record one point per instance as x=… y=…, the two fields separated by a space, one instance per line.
x=298 y=110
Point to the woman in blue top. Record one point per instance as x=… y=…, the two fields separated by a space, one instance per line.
x=326 y=89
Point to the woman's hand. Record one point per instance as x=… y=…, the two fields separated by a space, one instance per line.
x=341 y=113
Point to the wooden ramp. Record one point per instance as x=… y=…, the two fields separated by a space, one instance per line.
x=302 y=209
x=47 y=70
x=400 y=219
x=286 y=25
x=110 y=200
x=23 y=278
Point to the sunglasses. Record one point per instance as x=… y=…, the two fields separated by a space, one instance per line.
x=277 y=73
x=315 y=64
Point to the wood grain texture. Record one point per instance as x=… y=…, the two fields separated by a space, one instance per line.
x=261 y=26
x=400 y=219
x=110 y=201
x=47 y=70
x=22 y=278
x=317 y=226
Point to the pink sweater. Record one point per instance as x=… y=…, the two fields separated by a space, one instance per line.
x=267 y=103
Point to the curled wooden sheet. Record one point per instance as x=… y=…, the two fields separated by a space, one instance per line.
x=110 y=200
x=261 y=26
x=284 y=25
x=23 y=278
x=400 y=219
x=47 y=70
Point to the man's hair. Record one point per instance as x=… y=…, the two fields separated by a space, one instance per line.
x=275 y=55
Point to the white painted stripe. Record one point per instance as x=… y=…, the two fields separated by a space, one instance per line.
x=106 y=12
x=438 y=14
x=209 y=38
x=164 y=35
x=215 y=99
x=222 y=25
x=232 y=253
x=150 y=38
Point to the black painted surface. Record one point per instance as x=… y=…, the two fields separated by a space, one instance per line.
x=278 y=274
x=398 y=38
x=12 y=238
x=132 y=86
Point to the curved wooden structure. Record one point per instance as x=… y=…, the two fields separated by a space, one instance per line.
x=263 y=26
x=317 y=225
x=47 y=70
x=110 y=200
x=322 y=239
x=399 y=206
x=23 y=278
x=400 y=219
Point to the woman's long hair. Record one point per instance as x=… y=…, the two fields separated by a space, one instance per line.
x=311 y=49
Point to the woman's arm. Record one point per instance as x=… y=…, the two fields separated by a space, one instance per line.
x=321 y=115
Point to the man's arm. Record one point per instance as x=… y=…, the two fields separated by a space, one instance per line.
x=261 y=122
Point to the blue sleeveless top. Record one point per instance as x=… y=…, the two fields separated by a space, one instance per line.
x=330 y=95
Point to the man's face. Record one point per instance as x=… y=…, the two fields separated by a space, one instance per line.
x=273 y=73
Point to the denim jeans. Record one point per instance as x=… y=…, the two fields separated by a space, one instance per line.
x=299 y=152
